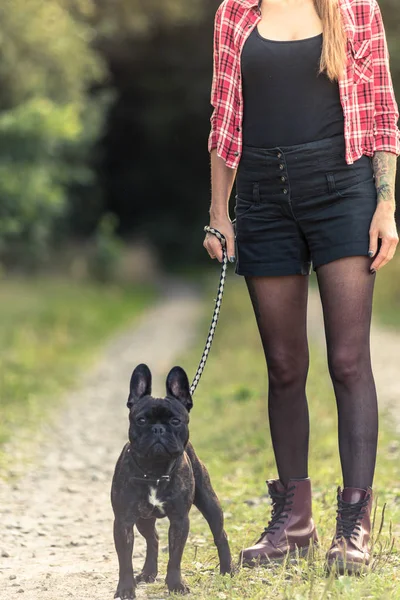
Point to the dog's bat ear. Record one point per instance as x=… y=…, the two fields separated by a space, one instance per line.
x=140 y=384
x=178 y=387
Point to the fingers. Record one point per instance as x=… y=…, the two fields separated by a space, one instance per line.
x=373 y=242
x=386 y=252
x=213 y=247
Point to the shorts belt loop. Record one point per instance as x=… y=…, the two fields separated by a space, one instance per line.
x=256 y=192
x=331 y=182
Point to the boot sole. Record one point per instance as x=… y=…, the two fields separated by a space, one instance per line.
x=342 y=567
x=292 y=557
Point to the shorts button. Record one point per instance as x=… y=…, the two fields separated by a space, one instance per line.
x=285 y=191
x=281 y=167
x=283 y=178
x=279 y=155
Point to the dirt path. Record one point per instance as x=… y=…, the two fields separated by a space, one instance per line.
x=385 y=350
x=56 y=521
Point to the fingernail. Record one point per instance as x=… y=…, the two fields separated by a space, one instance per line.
x=372 y=271
x=232 y=259
x=370 y=253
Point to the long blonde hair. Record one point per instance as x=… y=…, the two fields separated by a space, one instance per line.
x=333 y=57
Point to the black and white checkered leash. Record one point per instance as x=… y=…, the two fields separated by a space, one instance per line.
x=217 y=308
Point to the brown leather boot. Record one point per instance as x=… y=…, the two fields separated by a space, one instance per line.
x=349 y=552
x=291 y=529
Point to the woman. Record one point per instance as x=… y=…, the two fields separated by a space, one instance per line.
x=306 y=120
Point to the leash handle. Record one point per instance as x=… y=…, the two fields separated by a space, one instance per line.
x=217 y=308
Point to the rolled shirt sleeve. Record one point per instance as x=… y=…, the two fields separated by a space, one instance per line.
x=386 y=132
x=212 y=139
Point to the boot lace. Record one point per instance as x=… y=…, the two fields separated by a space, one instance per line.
x=349 y=517
x=281 y=506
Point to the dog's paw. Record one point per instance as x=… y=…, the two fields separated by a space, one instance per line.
x=227 y=568
x=178 y=587
x=125 y=593
x=144 y=577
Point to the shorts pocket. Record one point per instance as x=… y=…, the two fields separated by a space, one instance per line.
x=245 y=204
x=341 y=181
x=354 y=188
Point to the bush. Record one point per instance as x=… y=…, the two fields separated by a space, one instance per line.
x=38 y=141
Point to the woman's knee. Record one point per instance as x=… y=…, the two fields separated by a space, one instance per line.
x=286 y=369
x=347 y=366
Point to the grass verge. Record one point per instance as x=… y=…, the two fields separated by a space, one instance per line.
x=49 y=329
x=387 y=294
x=229 y=430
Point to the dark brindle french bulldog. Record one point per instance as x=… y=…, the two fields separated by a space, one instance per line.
x=159 y=475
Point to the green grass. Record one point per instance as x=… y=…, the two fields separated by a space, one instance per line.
x=387 y=294
x=229 y=430
x=49 y=330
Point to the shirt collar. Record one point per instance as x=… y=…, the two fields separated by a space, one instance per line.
x=251 y=3
x=344 y=5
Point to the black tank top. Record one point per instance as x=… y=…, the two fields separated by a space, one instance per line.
x=285 y=100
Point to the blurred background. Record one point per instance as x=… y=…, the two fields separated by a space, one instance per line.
x=104 y=188
x=104 y=118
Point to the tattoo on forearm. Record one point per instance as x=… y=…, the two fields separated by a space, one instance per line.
x=384 y=165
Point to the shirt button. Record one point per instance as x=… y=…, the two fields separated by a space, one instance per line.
x=238 y=129
x=281 y=167
x=236 y=153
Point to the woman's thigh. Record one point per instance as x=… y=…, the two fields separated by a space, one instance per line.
x=280 y=307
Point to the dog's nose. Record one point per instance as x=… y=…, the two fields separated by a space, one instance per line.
x=158 y=429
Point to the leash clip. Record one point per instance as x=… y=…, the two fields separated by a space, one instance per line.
x=163 y=478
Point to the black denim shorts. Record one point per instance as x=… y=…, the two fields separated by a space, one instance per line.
x=301 y=205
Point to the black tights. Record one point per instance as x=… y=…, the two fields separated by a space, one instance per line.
x=280 y=306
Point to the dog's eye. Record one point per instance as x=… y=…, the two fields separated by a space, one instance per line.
x=175 y=422
x=141 y=421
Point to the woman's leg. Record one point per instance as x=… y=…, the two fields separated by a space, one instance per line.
x=346 y=289
x=280 y=307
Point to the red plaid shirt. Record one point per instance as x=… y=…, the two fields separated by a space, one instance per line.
x=366 y=89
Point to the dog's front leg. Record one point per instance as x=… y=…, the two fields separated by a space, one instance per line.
x=177 y=536
x=123 y=539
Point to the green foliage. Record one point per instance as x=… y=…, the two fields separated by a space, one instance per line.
x=47 y=121
x=107 y=250
x=44 y=52
x=387 y=293
x=120 y=20
x=40 y=143
x=49 y=329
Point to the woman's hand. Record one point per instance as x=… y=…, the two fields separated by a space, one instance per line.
x=383 y=226
x=213 y=245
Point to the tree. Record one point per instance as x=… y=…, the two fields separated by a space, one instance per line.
x=46 y=69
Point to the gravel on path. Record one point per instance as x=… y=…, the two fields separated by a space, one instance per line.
x=56 y=520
